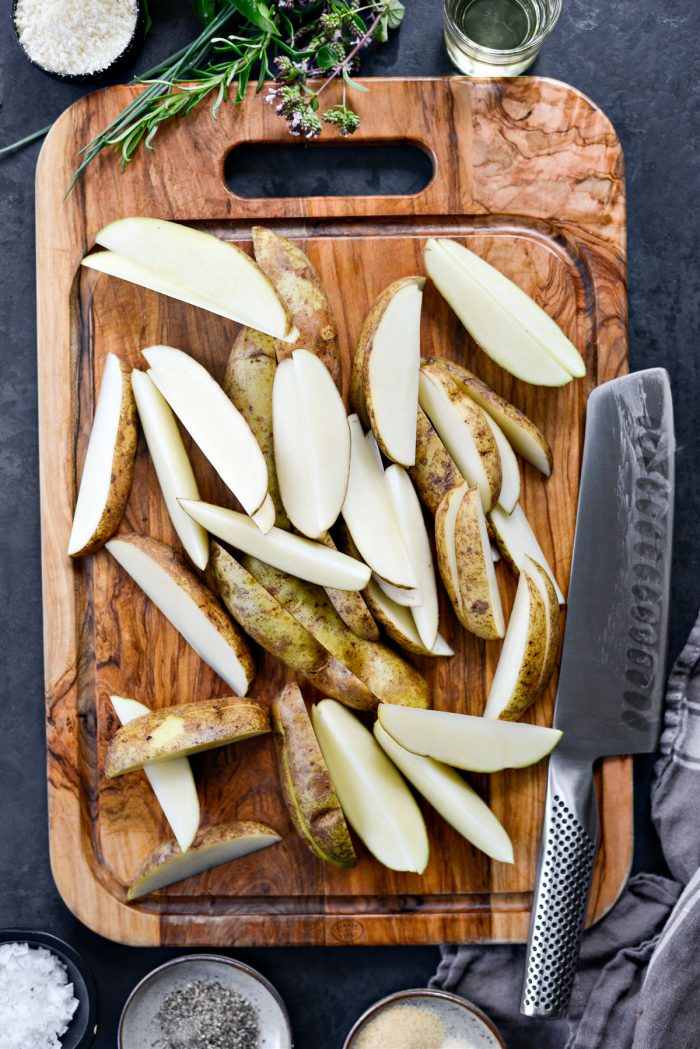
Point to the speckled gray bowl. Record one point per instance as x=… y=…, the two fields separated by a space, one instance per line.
x=138 y=1028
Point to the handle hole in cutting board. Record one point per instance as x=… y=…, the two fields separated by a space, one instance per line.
x=347 y=170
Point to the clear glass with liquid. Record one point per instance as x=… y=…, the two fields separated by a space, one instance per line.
x=497 y=37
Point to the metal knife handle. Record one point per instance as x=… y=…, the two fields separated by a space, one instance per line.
x=567 y=855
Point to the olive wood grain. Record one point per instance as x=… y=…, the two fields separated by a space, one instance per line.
x=529 y=174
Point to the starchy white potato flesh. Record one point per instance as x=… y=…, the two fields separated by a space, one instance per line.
x=369 y=515
x=191 y=608
x=401 y=595
x=172 y=465
x=510 y=471
x=195 y=267
x=399 y=624
x=495 y=319
x=516 y=539
x=522 y=658
x=375 y=799
x=467 y=742
x=311 y=442
x=172 y=781
x=451 y=796
x=291 y=553
x=408 y=513
x=213 y=422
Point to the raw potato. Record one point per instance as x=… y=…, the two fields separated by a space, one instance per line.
x=463 y=428
x=248 y=381
x=171 y=463
x=408 y=511
x=516 y=683
x=278 y=632
x=510 y=471
x=506 y=323
x=195 y=267
x=435 y=472
x=406 y=598
x=212 y=847
x=306 y=784
x=449 y=795
x=170 y=732
x=109 y=463
x=189 y=605
x=350 y=604
x=399 y=624
x=375 y=799
x=466 y=742
x=525 y=438
x=300 y=287
x=311 y=443
x=172 y=782
x=542 y=580
x=516 y=540
x=214 y=424
x=292 y=553
x=466 y=563
x=389 y=678
x=384 y=387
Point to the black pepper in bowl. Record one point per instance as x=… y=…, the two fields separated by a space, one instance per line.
x=203 y=1015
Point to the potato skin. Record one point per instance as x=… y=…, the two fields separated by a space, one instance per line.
x=278 y=632
x=299 y=286
x=528 y=686
x=351 y=605
x=198 y=726
x=553 y=612
x=123 y=462
x=434 y=473
x=306 y=785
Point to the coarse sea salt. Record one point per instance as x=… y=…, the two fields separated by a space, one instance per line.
x=36 y=998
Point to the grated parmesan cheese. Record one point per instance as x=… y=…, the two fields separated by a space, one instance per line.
x=36 y=998
x=75 y=36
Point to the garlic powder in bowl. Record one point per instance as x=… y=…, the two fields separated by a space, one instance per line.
x=37 y=1002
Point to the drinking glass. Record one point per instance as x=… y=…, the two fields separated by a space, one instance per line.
x=497 y=37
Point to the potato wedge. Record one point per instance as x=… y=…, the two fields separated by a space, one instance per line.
x=543 y=581
x=388 y=677
x=109 y=463
x=307 y=787
x=299 y=285
x=195 y=267
x=399 y=624
x=435 y=472
x=189 y=605
x=516 y=683
x=516 y=540
x=408 y=511
x=384 y=385
x=174 y=732
x=350 y=604
x=212 y=847
x=278 y=632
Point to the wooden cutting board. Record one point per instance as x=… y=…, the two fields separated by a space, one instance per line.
x=529 y=174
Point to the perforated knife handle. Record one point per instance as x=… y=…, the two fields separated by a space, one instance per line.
x=567 y=855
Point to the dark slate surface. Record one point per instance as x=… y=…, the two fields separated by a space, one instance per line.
x=639 y=61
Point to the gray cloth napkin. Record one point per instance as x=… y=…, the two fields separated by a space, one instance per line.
x=637 y=982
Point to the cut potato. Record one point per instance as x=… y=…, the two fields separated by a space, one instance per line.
x=171 y=463
x=189 y=605
x=508 y=326
x=388 y=677
x=369 y=516
x=543 y=581
x=386 y=366
x=375 y=799
x=213 y=422
x=248 y=382
x=521 y=662
x=292 y=553
x=278 y=632
x=172 y=782
x=399 y=623
x=300 y=287
x=406 y=598
x=173 y=732
x=466 y=742
x=350 y=604
x=463 y=428
x=312 y=442
x=466 y=563
x=195 y=267
x=109 y=463
x=435 y=472
x=408 y=513
x=516 y=539
x=510 y=471
x=212 y=847
x=307 y=787
x=449 y=795
x=524 y=437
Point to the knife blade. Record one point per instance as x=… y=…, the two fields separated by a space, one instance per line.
x=614 y=656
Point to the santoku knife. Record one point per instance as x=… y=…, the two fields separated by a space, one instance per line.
x=614 y=657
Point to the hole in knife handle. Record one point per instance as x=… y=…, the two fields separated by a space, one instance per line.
x=316 y=170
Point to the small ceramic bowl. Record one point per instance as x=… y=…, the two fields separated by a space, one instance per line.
x=460 y=1016
x=121 y=59
x=138 y=1028
x=83 y=1026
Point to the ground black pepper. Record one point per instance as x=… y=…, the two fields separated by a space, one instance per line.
x=202 y=1015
